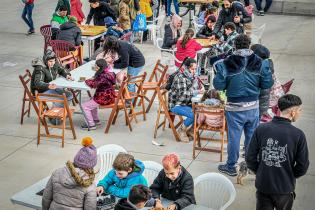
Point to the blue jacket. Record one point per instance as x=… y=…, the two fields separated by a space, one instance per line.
x=242 y=77
x=121 y=187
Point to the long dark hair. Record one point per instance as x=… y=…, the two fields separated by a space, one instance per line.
x=102 y=64
x=189 y=33
x=111 y=44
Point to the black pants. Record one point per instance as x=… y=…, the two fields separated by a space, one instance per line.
x=274 y=201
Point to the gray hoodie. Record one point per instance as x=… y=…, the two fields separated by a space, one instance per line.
x=63 y=193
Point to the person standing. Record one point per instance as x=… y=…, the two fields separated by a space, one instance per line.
x=242 y=75
x=27 y=15
x=169 y=4
x=261 y=11
x=76 y=10
x=278 y=155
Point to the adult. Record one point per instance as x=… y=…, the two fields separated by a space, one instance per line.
x=169 y=4
x=99 y=11
x=134 y=9
x=63 y=3
x=70 y=32
x=241 y=75
x=130 y=57
x=278 y=155
x=185 y=85
x=72 y=186
x=232 y=11
x=76 y=10
x=58 y=19
x=186 y=47
x=27 y=15
x=261 y=11
x=172 y=32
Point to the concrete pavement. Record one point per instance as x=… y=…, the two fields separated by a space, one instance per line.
x=22 y=162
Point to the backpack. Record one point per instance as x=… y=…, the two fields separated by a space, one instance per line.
x=170 y=80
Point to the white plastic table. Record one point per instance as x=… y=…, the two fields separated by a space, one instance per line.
x=28 y=197
x=90 y=41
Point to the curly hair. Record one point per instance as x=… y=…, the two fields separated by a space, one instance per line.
x=124 y=162
x=242 y=41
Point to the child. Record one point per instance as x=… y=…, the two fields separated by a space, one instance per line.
x=126 y=172
x=124 y=15
x=213 y=11
x=278 y=155
x=103 y=81
x=213 y=99
x=173 y=183
x=138 y=197
x=72 y=187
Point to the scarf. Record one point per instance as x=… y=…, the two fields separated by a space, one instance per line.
x=243 y=52
x=78 y=179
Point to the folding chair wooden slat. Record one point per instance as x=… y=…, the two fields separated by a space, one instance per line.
x=214 y=112
x=61 y=113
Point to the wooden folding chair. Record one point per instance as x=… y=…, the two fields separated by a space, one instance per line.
x=28 y=98
x=169 y=116
x=132 y=97
x=59 y=113
x=210 y=111
x=155 y=81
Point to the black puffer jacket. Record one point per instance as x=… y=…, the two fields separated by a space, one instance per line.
x=123 y=204
x=169 y=40
x=237 y=9
x=98 y=14
x=204 y=32
x=181 y=191
x=70 y=32
x=42 y=75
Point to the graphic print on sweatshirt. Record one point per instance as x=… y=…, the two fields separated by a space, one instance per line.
x=273 y=154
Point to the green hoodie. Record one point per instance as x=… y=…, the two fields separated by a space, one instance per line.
x=57 y=20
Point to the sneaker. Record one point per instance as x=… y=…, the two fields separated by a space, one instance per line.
x=183 y=135
x=85 y=127
x=261 y=13
x=226 y=170
x=97 y=122
x=30 y=32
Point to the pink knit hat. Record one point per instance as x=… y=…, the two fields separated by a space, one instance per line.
x=87 y=156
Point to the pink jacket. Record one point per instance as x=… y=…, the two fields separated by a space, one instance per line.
x=76 y=10
x=190 y=51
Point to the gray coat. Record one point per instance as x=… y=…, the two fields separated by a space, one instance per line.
x=70 y=32
x=63 y=193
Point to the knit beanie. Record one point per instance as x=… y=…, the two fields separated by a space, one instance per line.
x=73 y=19
x=86 y=158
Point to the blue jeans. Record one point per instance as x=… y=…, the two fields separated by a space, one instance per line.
x=60 y=91
x=27 y=11
x=236 y=123
x=184 y=111
x=169 y=2
x=267 y=6
x=133 y=72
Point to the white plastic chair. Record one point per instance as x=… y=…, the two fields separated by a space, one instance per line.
x=151 y=170
x=196 y=25
x=257 y=33
x=154 y=27
x=214 y=190
x=107 y=155
x=167 y=56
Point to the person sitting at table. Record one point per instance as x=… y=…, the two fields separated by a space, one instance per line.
x=174 y=183
x=126 y=173
x=206 y=30
x=72 y=186
x=185 y=85
x=103 y=81
x=172 y=32
x=45 y=71
x=186 y=47
x=232 y=11
x=138 y=197
x=60 y=17
x=212 y=11
x=230 y=33
x=70 y=32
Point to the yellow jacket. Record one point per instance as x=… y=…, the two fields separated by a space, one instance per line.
x=145 y=8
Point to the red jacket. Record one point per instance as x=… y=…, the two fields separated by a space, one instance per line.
x=76 y=10
x=29 y=2
x=190 y=51
x=104 y=84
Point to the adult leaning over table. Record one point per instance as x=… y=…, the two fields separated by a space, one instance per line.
x=130 y=57
x=45 y=71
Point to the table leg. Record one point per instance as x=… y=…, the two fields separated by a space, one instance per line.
x=89 y=46
x=80 y=104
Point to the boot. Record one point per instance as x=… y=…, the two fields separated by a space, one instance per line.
x=190 y=132
x=182 y=134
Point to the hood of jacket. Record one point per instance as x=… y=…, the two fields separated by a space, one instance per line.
x=138 y=169
x=37 y=62
x=68 y=181
x=124 y=205
x=67 y=25
x=235 y=62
